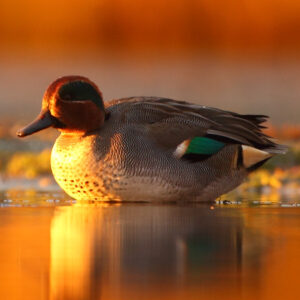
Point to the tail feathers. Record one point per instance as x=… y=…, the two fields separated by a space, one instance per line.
x=277 y=149
x=257 y=119
x=252 y=156
x=257 y=165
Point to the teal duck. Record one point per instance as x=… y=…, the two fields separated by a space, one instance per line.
x=147 y=148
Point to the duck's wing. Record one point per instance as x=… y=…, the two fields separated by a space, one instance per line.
x=169 y=123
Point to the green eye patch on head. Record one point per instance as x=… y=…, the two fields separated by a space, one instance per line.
x=80 y=91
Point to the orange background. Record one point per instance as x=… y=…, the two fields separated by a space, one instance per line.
x=237 y=55
x=256 y=25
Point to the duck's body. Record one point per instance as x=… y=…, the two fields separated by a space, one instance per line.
x=152 y=149
x=123 y=162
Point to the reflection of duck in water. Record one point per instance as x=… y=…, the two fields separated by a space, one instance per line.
x=128 y=250
x=170 y=150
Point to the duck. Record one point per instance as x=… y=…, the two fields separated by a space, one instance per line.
x=147 y=148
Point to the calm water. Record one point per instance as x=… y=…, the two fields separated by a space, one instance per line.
x=53 y=248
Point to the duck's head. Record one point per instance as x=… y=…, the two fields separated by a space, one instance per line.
x=72 y=104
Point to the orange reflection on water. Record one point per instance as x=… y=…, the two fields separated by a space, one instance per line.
x=71 y=246
x=24 y=253
x=149 y=252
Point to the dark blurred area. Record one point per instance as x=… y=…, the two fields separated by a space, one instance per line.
x=237 y=55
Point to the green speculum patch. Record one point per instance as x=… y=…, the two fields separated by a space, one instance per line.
x=204 y=145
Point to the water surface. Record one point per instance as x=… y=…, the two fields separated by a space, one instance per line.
x=53 y=248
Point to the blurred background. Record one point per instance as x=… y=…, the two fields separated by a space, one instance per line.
x=236 y=55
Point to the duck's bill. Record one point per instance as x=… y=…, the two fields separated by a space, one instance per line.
x=44 y=120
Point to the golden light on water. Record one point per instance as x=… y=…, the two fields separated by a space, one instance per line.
x=25 y=254
x=133 y=251
x=71 y=246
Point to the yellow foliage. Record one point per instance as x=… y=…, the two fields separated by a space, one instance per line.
x=29 y=164
x=274 y=182
x=273 y=197
x=266 y=178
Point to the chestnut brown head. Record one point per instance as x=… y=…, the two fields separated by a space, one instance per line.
x=72 y=104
